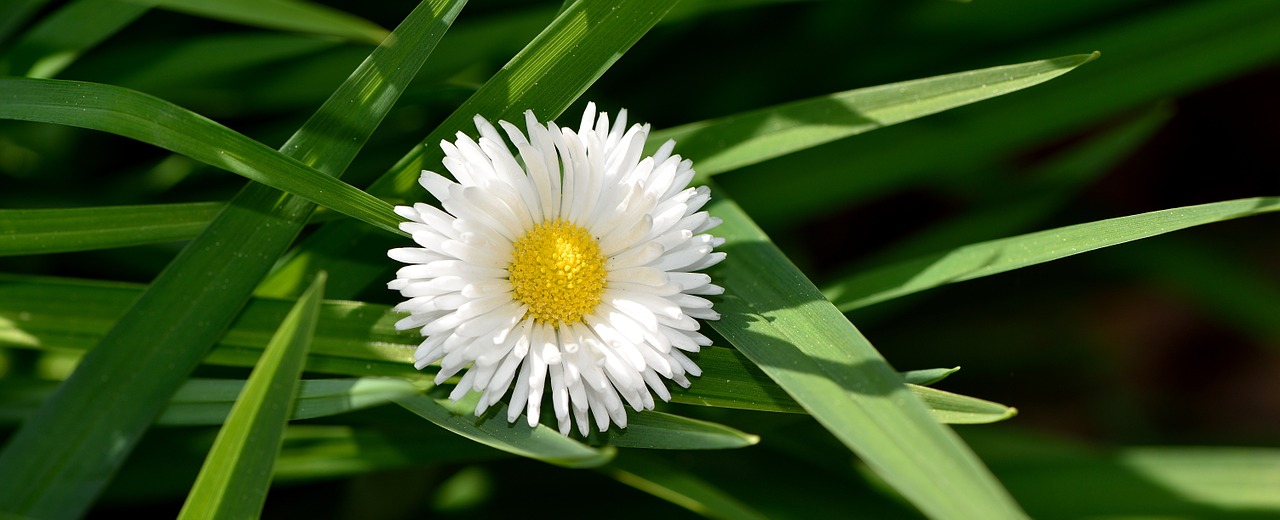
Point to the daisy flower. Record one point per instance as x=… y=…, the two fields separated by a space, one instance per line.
x=572 y=261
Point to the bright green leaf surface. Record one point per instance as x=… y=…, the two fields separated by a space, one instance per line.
x=289 y=15
x=750 y=137
x=39 y=231
x=775 y=316
x=998 y=256
x=360 y=339
x=492 y=430
x=154 y=121
x=234 y=479
x=149 y=352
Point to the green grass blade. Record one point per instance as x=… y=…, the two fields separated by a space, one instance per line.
x=60 y=38
x=358 y=339
x=15 y=13
x=657 y=430
x=165 y=333
x=664 y=480
x=541 y=443
x=949 y=408
x=739 y=140
x=151 y=120
x=288 y=15
x=40 y=231
x=546 y=76
x=998 y=256
x=234 y=479
x=772 y=313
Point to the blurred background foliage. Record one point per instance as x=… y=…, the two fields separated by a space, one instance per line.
x=1118 y=361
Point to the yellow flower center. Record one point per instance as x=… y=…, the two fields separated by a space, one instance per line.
x=558 y=271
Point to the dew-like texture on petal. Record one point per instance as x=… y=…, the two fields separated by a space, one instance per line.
x=569 y=268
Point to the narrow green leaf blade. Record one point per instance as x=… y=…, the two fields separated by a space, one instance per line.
x=41 y=231
x=775 y=316
x=739 y=140
x=289 y=15
x=234 y=479
x=492 y=430
x=60 y=38
x=151 y=120
x=949 y=408
x=998 y=256
x=678 y=486
x=657 y=430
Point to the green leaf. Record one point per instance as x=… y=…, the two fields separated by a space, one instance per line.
x=148 y=353
x=927 y=376
x=952 y=408
x=657 y=430
x=40 y=231
x=678 y=486
x=747 y=138
x=775 y=316
x=60 y=38
x=234 y=479
x=998 y=256
x=151 y=120
x=353 y=338
x=492 y=430
x=545 y=77
x=289 y=15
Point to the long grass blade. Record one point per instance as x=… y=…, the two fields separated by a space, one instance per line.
x=288 y=15
x=41 y=231
x=234 y=479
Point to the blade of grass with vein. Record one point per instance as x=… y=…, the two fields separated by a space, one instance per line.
x=40 y=231
x=289 y=15
x=234 y=479
x=746 y=138
x=546 y=76
x=998 y=256
x=151 y=120
x=359 y=339
x=775 y=316
x=60 y=38
x=657 y=430
x=150 y=351
x=541 y=443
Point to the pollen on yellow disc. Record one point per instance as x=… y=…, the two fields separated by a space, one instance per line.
x=558 y=271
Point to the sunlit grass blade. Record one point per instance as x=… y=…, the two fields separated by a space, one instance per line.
x=657 y=430
x=747 y=138
x=208 y=401
x=289 y=15
x=775 y=316
x=998 y=256
x=545 y=77
x=152 y=120
x=678 y=486
x=60 y=38
x=928 y=376
x=541 y=443
x=39 y=231
x=234 y=479
x=360 y=339
x=164 y=334
x=949 y=408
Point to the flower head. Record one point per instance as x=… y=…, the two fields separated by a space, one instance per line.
x=574 y=262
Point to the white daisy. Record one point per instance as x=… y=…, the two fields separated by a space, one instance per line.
x=575 y=262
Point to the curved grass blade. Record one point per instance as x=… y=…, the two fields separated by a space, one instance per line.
x=949 y=408
x=355 y=339
x=288 y=15
x=151 y=120
x=772 y=313
x=657 y=430
x=150 y=351
x=546 y=76
x=664 y=480
x=234 y=479
x=746 y=138
x=40 y=231
x=998 y=256
x=60 y=38
x=541 y=443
